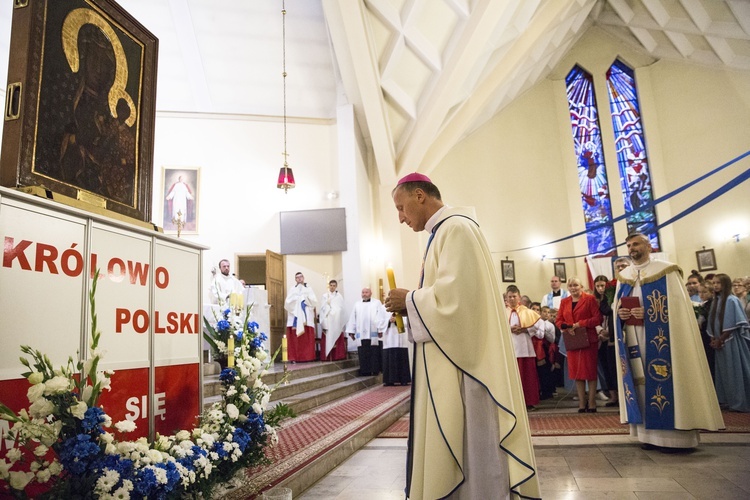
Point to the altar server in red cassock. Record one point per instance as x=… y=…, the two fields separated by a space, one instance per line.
x=524 y=324
x=300 y=325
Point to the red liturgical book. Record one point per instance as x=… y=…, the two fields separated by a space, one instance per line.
x=631 y=303
x=579 y=339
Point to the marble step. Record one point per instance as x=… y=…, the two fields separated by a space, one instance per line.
x=301 y=401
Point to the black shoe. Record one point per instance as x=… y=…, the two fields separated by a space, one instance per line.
x=673 y=451
x=582 y=410
x=590 y=410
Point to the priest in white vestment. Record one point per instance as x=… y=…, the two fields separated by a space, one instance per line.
x=300 y=324
x=223 y=284
x=666 y=392
x=332 y=321
x=365 y=327
x=469 y=436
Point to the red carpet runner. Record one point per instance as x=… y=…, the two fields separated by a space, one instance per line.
x=305 y=438
x=573 y=424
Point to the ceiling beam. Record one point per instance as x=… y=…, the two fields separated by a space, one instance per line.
x=544 y=20
x=477 y=33
x=350 y=34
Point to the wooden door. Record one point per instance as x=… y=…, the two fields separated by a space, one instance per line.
x=276 y=297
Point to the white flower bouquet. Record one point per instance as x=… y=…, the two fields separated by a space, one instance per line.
x=65 y=450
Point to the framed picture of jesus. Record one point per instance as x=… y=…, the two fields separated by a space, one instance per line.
x=180 y=189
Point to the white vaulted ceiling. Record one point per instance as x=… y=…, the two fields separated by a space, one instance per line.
x=421 y=74
x=425 y=73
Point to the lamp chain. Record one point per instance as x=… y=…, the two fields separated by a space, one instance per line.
x=283 y=59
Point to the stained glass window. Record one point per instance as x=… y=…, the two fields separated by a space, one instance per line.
x=630 y=143
x=592 y=175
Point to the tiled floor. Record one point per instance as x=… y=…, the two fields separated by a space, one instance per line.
x=585 y=467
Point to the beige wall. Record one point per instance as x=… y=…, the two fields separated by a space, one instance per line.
x=519 y=169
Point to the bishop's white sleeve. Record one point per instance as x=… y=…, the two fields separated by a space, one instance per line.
x=417 y=329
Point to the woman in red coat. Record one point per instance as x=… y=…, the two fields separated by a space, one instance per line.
x=581 y=310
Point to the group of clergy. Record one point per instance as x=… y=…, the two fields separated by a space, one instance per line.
x=370 y=330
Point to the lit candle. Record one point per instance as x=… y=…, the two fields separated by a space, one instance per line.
x=284 y=351
x=392 y=284
x=230 y=350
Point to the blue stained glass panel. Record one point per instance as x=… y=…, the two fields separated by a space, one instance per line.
x=632 y=160
x=592 y=175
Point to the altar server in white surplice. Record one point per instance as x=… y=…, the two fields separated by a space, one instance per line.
x=300 y=325
x=332 y=321
x=469 y=435
x=223 y=284
x=365 y=327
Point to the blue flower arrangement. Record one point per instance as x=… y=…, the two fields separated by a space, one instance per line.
x=63 y=441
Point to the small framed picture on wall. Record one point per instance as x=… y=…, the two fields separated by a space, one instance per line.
x=180 y=187
x=560 y=271
x=508 y=270
x=706 y=260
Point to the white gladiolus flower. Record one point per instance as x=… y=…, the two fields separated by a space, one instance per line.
x=261 y=355
x=106 y=383
x=79 y=410
x=244 y=398
x=125 y=426
x=40 y=450
x=258 y=383
x=57 y=385
x=257 y=408
x=232 y=411
x=36 y=378
x=87 y=391
x=19 y=480
x=41 y=408
x=35 y=392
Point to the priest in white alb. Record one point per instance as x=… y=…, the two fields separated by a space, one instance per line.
x=333 y=340
x=300 y=325
x=665 y=387
x=223 y=285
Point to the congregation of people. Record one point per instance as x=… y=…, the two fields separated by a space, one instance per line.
x=669 y=354
x=719 y=309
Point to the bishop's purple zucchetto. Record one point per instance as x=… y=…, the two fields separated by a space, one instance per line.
x=414 y=177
